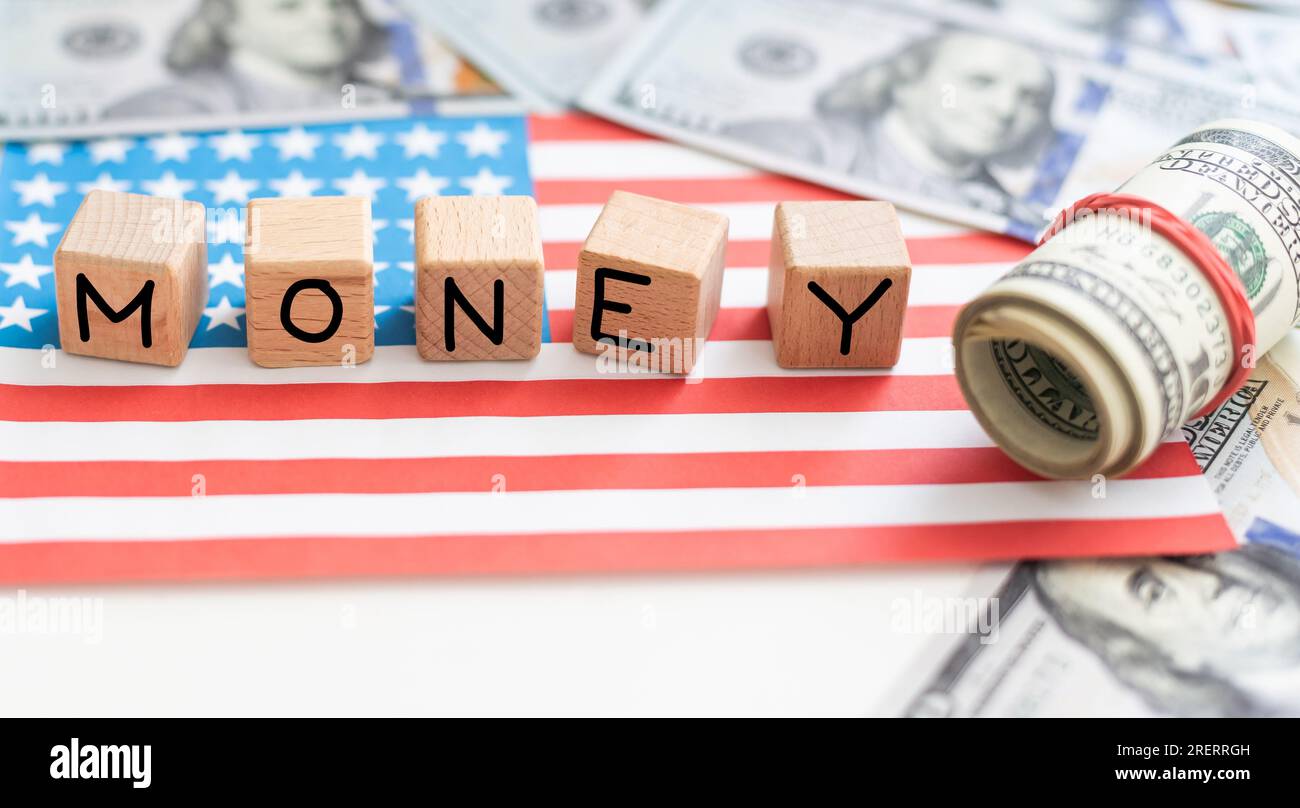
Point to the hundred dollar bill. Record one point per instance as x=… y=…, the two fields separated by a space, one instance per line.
x=965 y=114
x=1209 y=635
x=78 y=69
x=543 y=51
x=1249 y=449
x=1107 y=338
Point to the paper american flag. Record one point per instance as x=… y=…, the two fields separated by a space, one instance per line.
x=221 y=469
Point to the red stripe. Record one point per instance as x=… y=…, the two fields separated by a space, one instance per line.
x=759 y=188
x=321 y=556
x=971 y=248
x=612 y=396
x=555 y=473
x=752 y=323
x=578 y=127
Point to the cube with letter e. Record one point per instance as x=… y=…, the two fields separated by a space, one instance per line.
x=309 y=281
x=838 y=277
x=131 y=277
x=649 y=282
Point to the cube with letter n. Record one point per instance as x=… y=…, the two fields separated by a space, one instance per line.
x=649 y=283
x=478 y=278
x=309 y=281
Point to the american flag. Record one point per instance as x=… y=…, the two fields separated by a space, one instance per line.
x=220 y=469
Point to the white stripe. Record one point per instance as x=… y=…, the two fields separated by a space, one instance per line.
x=86 y=519
x=749 y=221
x=746 y=287
x=487 y=436
x=627 y=160
x=720 y=359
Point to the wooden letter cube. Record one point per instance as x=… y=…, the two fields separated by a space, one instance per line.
x=131 y=277
x=309 y=281
x=478 y=278
x=837 y=284
x=649 y=282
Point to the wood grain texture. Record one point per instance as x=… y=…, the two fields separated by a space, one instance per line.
x=477 y=241
x=673 y=258
x=847 y=249
x=317 y=240
x=120 y=242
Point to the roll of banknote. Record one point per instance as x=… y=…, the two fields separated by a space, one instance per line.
x=1110 y=335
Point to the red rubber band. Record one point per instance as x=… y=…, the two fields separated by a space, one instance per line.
x=1197 y=247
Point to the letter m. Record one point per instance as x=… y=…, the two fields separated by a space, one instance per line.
x=142 y=301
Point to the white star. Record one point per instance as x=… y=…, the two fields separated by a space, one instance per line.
x=104 y=182
x=485 y=183
x=234 y=145
x=422 y=184
x=378 y=311
x=39 y=189
x=18 y=314
x=376 y=225
x=380 y=266
x=172 y=146
x=295 y=185
x=227 y=271
x=297 y=142
x=408 y=266
x=360 y=184
x=409 y=226
x=51 y=153
x=358 y=142
x=32 y=230
x=421 y=141
x=168 y=186
x=409 y=309
x=230 y=188
x=110 y=150
x=482 y=140
x=25 y=272
x=223 y=314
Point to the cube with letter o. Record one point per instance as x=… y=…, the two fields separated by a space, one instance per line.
x=309 y=281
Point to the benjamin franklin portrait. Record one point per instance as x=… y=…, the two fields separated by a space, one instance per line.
x=253 y=55
x=1214 y=635
x=940 y=117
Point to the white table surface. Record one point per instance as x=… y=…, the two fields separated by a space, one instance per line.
x=818 y=642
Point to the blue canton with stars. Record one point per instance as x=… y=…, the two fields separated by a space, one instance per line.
x=394 y=162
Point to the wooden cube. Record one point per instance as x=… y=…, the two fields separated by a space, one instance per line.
x=837 y=286
x=650 y=282
x=478 y=278
x=131 y=277
x=309 y=281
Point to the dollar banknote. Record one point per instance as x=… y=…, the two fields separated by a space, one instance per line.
x=1107 y=338
x=543 y=51
x=77 y=69
x=1263 y=38
x=956 y=111
x=1206 y=635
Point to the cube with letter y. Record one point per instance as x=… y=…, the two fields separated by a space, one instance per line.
x=309 y=281
x=838 y=279
x=478 y=278
x=649 y=282
x=131 y=277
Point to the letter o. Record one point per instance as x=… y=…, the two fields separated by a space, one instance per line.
x=286 y=307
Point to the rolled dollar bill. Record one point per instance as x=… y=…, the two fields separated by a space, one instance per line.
x=1116 y=330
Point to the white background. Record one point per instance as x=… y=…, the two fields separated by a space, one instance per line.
x=820 y=642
